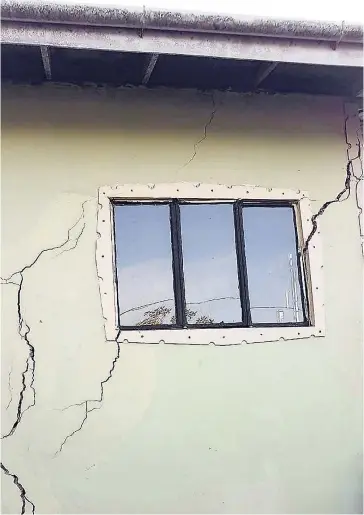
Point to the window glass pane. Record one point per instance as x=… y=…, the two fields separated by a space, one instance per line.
x=271 y=256
x=209 y=263
x=144 y=265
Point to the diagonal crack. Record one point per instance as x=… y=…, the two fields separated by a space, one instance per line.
x=23 y=495
x=346 y=190
x=76 y=430
x=20 y=401
x=75 y=243
x=24 y=329
x=24 y=332
x=207 y=124
x=86 y=402
x=50 y=249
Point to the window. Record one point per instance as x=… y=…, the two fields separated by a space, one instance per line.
x=195 y=264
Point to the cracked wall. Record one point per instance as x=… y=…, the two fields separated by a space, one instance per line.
x=267 y=428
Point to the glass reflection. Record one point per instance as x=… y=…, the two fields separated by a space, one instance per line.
x=271 y=256
x=144 y=265
x=209 y=263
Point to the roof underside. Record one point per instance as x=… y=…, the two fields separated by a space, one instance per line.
x=119 y=46
x=30 y=64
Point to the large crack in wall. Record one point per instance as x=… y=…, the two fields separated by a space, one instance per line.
x=23 y=495
x=24 y=331
x=350 y=177
x=28 y=375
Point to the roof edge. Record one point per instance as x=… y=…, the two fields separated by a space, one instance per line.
x=72 y=13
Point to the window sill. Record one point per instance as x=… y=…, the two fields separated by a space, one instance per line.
x=228 y=336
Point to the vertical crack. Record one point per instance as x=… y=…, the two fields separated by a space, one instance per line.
x=345 y=193
x=24 y=331
x=207 y=124
x=19 y=412
x=86 y=402
x=23 y=495
x=358 y=181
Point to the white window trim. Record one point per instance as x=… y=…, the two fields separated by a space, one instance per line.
x=105 y=263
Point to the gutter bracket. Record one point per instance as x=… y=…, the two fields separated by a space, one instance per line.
x=342 y=32
x=149 y=68
x=264 y=70
x=46 y=60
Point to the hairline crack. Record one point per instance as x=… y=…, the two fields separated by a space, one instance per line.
x=207 y=124
x=86 y=402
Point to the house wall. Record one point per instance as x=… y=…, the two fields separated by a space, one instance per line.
x=265 y=428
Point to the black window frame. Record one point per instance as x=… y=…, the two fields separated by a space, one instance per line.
x=177 y=264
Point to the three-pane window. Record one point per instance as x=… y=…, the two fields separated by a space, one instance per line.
x=183 y=264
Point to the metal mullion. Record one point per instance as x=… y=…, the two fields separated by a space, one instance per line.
x=241 y=264
x=177 y=265
x=115 y=266
x=300 y=263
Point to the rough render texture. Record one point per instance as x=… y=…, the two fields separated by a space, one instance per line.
x=268 y=428
x=146 y=17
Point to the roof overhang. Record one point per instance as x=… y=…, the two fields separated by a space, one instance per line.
x=156 y=32
x=124 y=29
x=218 y=45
